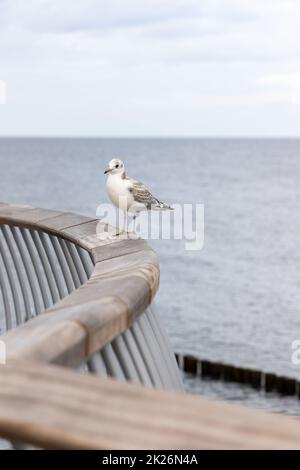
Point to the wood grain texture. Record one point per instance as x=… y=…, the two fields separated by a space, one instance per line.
x=123 y=284
x=24 y=215
x=63 y=221
x=53 y=407
x=56 y=408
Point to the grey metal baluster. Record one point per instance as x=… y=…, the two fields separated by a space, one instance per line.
x=86 y=260
x=27 y=263
x=137 y=358
x=146 y=354
x=11 y=278
x=165 y=355
x=19 y=270
x=77 y=263
x=125 y=359
x=111 y=363
x=63 y=264
x=38 y=266
x=162 y=339
x=4 y=284
x=46 y=265
x=70 y=262
x=96 y=364
x=156 y=354
x=55 y=267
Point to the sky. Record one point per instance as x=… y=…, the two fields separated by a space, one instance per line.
x=150 y=68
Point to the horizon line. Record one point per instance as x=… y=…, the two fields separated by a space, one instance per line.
x=136 y=137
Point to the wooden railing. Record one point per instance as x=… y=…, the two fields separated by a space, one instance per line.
x=45 y=404
x=52 y=407
x=122 y=285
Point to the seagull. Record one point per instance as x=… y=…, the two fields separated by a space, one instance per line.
x=129 y=195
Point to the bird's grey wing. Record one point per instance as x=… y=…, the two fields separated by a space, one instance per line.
x=141 y=194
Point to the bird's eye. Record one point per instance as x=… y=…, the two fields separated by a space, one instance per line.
x=117 y=165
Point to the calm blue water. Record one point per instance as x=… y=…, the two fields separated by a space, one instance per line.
x=238 y=300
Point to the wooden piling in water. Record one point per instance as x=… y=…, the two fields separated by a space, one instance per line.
x=257 y=379
x=189 y=364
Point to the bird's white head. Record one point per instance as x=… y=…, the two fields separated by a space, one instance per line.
x=115 y=166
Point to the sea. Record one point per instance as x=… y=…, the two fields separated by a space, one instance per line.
x=237 y=299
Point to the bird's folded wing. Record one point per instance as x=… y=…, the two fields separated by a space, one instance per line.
x=142 y=194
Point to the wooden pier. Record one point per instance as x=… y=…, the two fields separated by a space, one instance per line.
x=74 y=301
x=52 y=407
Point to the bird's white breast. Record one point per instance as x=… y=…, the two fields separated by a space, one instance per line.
x=117 y=190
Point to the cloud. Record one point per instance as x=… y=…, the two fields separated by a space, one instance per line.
x=189 y=30
x=285 y=79
x=2 y=92
x=82 y=15
x=130 y=59
x=283 y=86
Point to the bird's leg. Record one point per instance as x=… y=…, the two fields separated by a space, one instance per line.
x=133 y=233
x=124 y=228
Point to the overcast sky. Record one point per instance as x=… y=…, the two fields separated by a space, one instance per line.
x=153 y=67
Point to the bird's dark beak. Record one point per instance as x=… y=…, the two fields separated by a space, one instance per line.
x=107 y=170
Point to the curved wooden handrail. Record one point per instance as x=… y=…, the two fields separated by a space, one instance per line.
x=55 y=408
x=122 y=285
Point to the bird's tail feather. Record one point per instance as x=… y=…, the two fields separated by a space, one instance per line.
x=161 y=206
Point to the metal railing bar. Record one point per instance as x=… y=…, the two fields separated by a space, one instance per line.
x=86 y=260
x=153 y=347
x=46 y=265
x=77 y=263
x=63 y=264
x=38 y=266
x=146 y=354
x=70 y=262
x=125 y=359
x=28 y=266
x=96 y=364
x=55 y=266
x=16 y=256
x=7 y=264
x=5 y=287
x=111 y=363
x=170 y=360
x=137 y=358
